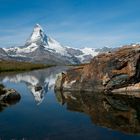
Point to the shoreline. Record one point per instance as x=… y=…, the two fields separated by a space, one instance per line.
x=14 y=66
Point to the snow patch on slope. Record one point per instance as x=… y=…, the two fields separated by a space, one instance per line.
x=19 y=50
x=87 y=54
x=55 y=47
x=89 y=51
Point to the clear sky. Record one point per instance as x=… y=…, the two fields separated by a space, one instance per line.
x=77 y=23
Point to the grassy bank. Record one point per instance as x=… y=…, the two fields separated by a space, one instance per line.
x=9 y=66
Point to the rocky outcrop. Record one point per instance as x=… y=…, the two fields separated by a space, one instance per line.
x=8 y=97
x=107 y=72
x=118 y=112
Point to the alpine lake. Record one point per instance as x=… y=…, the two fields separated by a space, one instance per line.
x=43 y=114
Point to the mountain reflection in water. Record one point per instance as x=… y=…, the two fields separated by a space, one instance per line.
x=116 y=112
x=48 y=119
x=38 y=81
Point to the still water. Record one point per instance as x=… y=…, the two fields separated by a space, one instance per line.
x=45 y=115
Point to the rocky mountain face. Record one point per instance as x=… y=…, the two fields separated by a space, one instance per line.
x=3 y=55
x=109 y=72
x=40 y=48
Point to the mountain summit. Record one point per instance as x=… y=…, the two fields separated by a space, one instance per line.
x=40 y=48
x=38 y=36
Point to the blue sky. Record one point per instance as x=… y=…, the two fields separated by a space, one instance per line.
x=76 y=23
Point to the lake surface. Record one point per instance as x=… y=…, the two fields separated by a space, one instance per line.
x=45 y=115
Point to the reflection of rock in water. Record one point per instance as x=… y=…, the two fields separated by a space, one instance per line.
x=39 y=82
x=118 y=113
x=37 y=87
x=4 y=104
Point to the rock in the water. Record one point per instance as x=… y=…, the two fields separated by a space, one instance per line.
x=11 y=95
x=105 y=73
x=8 y=95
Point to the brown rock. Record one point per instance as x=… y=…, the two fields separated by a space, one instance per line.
x=8 y=97
x=105 y=72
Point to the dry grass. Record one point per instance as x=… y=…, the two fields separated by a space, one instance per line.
x=7 y=66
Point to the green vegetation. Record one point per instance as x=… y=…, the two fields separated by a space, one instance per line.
x=9 y=66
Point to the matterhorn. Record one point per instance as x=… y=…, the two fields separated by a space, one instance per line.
x=41 y=48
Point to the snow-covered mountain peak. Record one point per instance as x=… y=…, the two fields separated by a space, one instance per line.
x=42 y=48
x=38 y=36
x=38 y=26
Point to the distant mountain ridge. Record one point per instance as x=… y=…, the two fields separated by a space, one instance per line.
x=40 y=48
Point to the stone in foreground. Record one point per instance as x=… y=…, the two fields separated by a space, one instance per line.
x=108 y=72
x=8 y=97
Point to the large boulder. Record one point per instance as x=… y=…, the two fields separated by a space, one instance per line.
x=107 y=72
x=8 y=97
